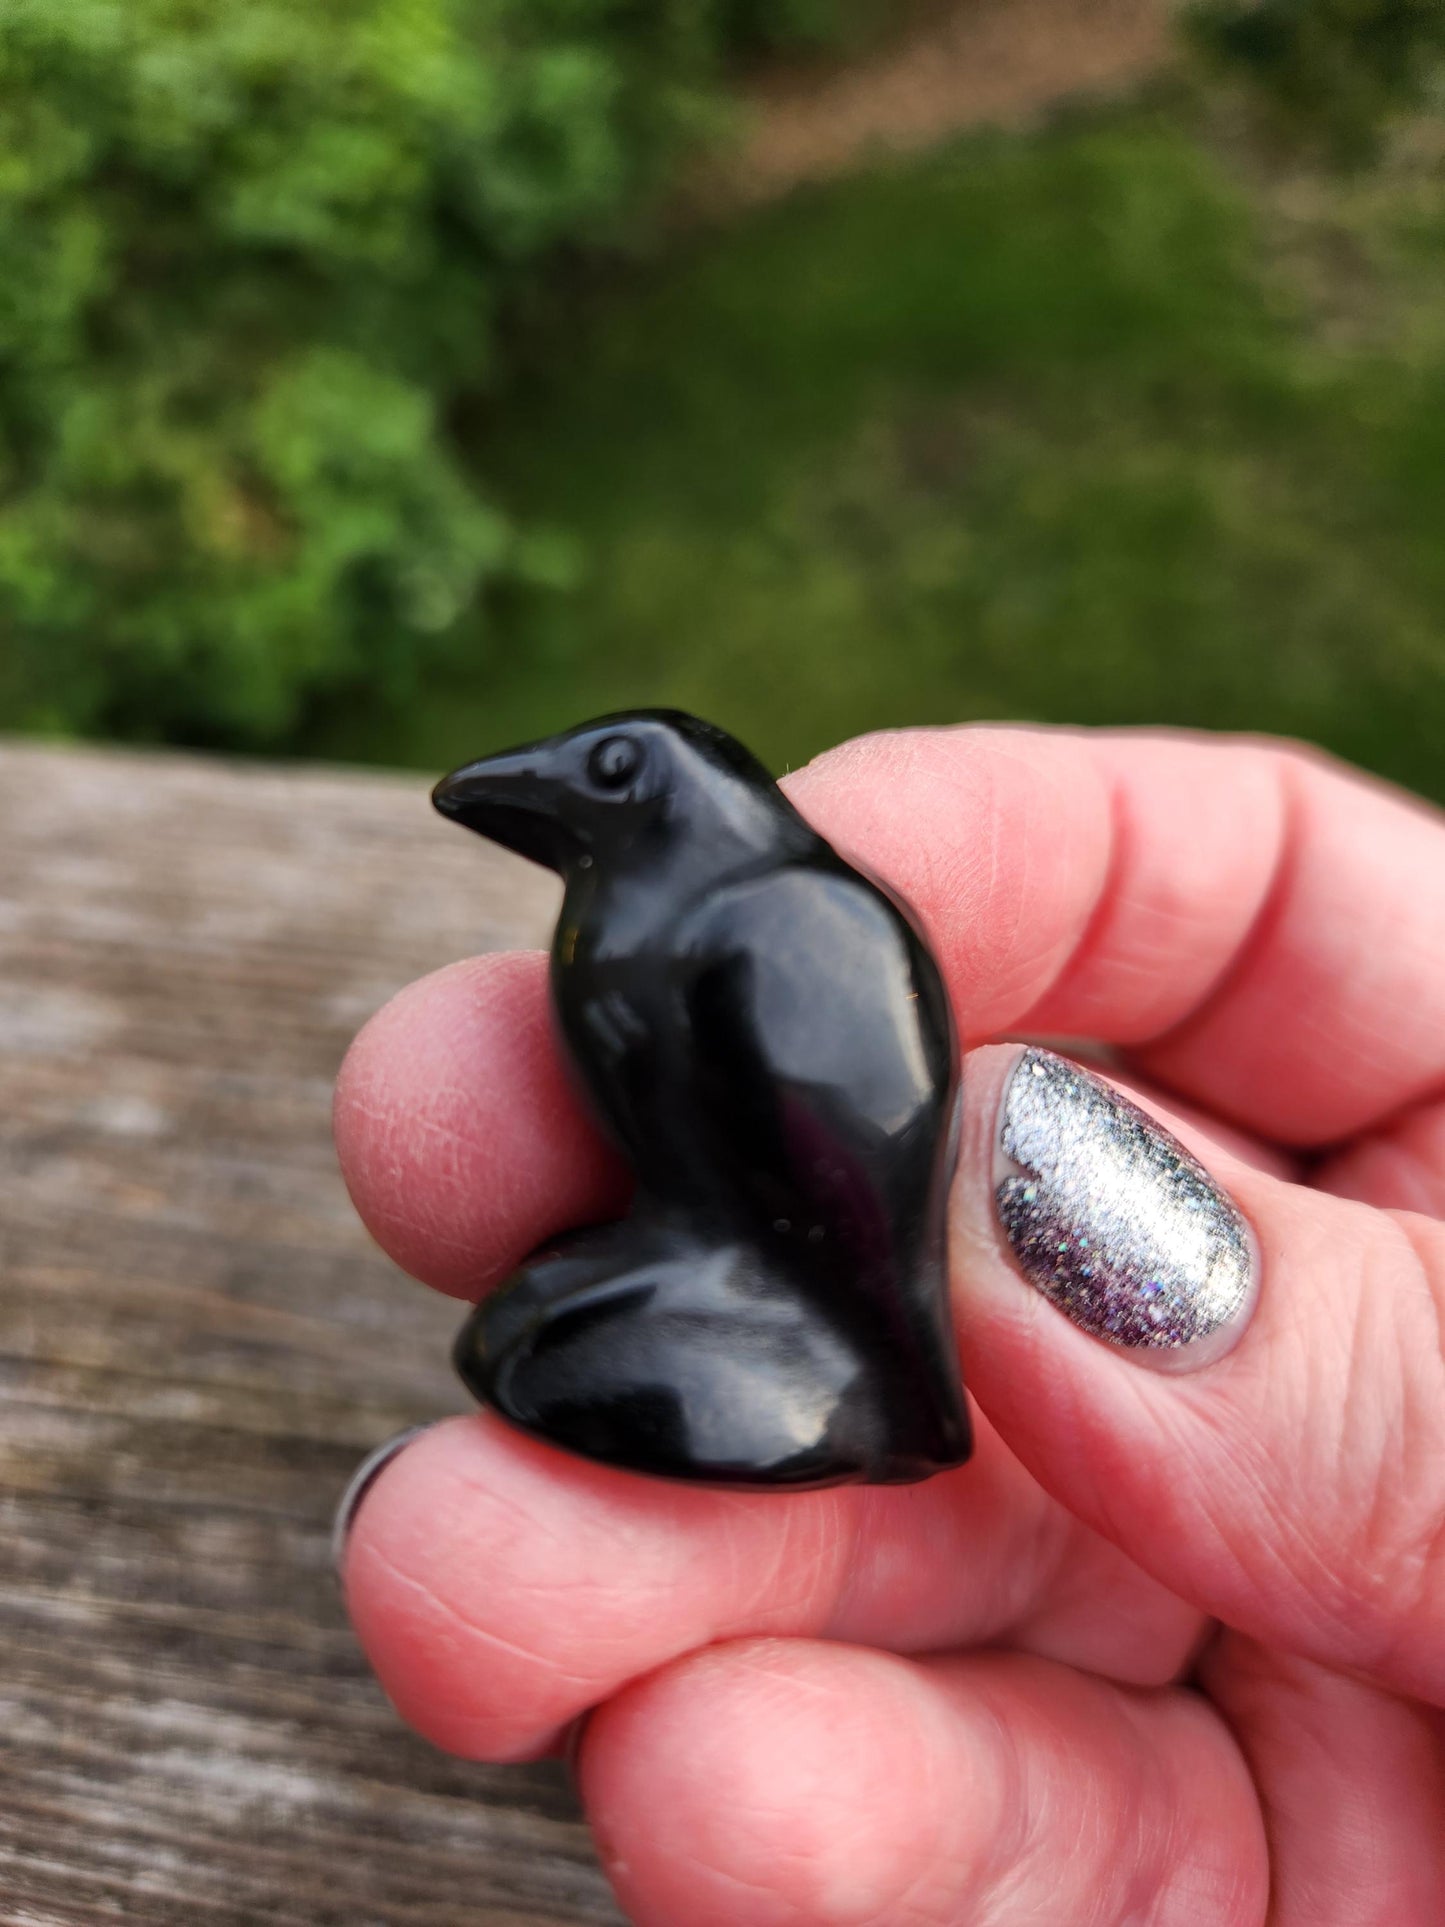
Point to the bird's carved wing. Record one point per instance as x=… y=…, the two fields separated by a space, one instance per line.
x=818 y=1023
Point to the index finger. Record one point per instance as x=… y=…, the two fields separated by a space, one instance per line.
x=1260 y=927
x=1261 y=930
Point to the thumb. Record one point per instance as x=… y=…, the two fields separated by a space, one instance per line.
x=1236 y=1379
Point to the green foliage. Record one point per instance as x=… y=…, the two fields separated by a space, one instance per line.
x=810 y=26
x=1336 y=68
x=252 y=258
x=309 y=437
x=1076 y=426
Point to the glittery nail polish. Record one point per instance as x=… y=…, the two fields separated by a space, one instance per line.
x=1114 y=1221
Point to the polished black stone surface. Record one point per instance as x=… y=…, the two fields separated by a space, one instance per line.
x=761 y=1030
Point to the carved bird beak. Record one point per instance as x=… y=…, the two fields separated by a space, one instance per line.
x=513 y=799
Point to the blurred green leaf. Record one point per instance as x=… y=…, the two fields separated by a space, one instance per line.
x=252 y=258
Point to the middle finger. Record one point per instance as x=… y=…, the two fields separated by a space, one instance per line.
x=501 y=1587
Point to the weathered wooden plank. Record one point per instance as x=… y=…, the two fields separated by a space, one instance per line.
x=197 y=1343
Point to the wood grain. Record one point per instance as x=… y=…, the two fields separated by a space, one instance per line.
x=198 y=1342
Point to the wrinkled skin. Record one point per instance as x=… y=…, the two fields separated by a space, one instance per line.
x=1172 y=1648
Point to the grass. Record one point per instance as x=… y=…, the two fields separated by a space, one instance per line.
x=1101 y=425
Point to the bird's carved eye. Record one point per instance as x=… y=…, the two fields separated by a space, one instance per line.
x=614 y=762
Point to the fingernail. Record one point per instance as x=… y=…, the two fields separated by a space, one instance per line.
x=1114 y=1221
x=362 y=1480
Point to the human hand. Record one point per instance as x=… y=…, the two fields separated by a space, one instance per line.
x=1172 y=1647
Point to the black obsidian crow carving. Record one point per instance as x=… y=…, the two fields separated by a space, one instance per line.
x=762 y=1032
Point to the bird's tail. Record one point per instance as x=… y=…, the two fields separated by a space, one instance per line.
x=643 y=1345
